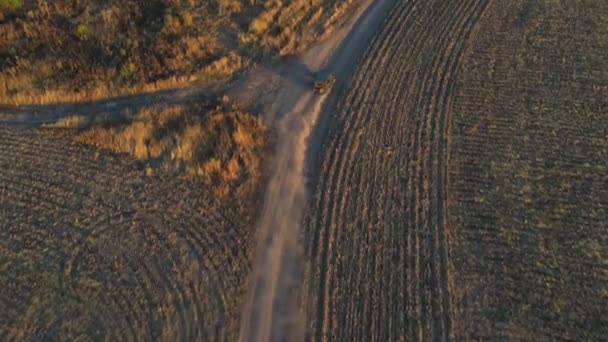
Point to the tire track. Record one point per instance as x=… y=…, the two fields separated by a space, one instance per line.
x=359 y=187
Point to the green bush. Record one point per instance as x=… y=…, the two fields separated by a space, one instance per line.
x=10 y=4
x=128 y=70
x=83 y=31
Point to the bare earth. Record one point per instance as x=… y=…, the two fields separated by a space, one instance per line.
x=458 y=183
x=272 y=313
x=93 y=248
x=290 y=107
x=463 y=191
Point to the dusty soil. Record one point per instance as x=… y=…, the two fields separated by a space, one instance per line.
x=462 y=191
x=461 y=195
x=92 y=248
x=528 y=194
x=272 y=314
x=376 y=235
x=291 y=109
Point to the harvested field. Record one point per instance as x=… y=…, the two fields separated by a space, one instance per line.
x=463 y=190
x=528 y=194
x=92 y=248
x=462 y=193
x=376 y=235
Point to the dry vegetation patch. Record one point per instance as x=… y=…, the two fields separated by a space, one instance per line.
x=56 y=51
x=215 y=141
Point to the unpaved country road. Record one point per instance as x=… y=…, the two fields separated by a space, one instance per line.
x=35 y=115
x=286 y=100
x=281 y=92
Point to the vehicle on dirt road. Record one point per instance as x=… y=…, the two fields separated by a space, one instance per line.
x=323 y=82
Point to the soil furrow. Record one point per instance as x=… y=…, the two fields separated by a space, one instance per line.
x=362 y=185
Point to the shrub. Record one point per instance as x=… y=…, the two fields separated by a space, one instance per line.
x=83 y=31
x=128 y=70
x=10 y=4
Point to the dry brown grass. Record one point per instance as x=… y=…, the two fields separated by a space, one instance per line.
x=215 y=141
x=69 y=51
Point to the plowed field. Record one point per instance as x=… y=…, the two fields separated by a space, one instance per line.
x=529 y=174
x=376 y=233
x=463 y=189
x=461 y=194
x=92 y=248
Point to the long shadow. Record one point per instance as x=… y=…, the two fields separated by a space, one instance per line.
x=343 y=63
x=41 y=114
x=290 y=68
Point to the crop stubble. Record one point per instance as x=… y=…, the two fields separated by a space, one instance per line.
x=92 y=248
x=528 y=195
x=380 y=266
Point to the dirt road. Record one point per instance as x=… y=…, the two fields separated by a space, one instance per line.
x=293 y=111
x=272 y=313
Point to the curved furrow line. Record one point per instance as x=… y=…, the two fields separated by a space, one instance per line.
x=121 y=319
x=56 y=152
x=369 y=185
x=455 y=64
x=428 y=300
x=418 y=224
x=431 y=174
x=354 y=149
x=344 y=167
x=369 y=70
x=386 y=121
x=327 y=217
x=100 y=231
x=443 y=103
x=360 y=177
x=202 y=246
x=53 y=163
x=155 y=293
x=177 y=288
x=393 y=136
x=127 y=306
x=358 y=170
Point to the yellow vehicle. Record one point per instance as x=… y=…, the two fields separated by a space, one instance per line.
x=323 y=83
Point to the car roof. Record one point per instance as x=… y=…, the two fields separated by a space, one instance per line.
x=322 y=76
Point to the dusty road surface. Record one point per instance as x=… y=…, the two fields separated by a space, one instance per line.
x=35 y=115
x=272 y=311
